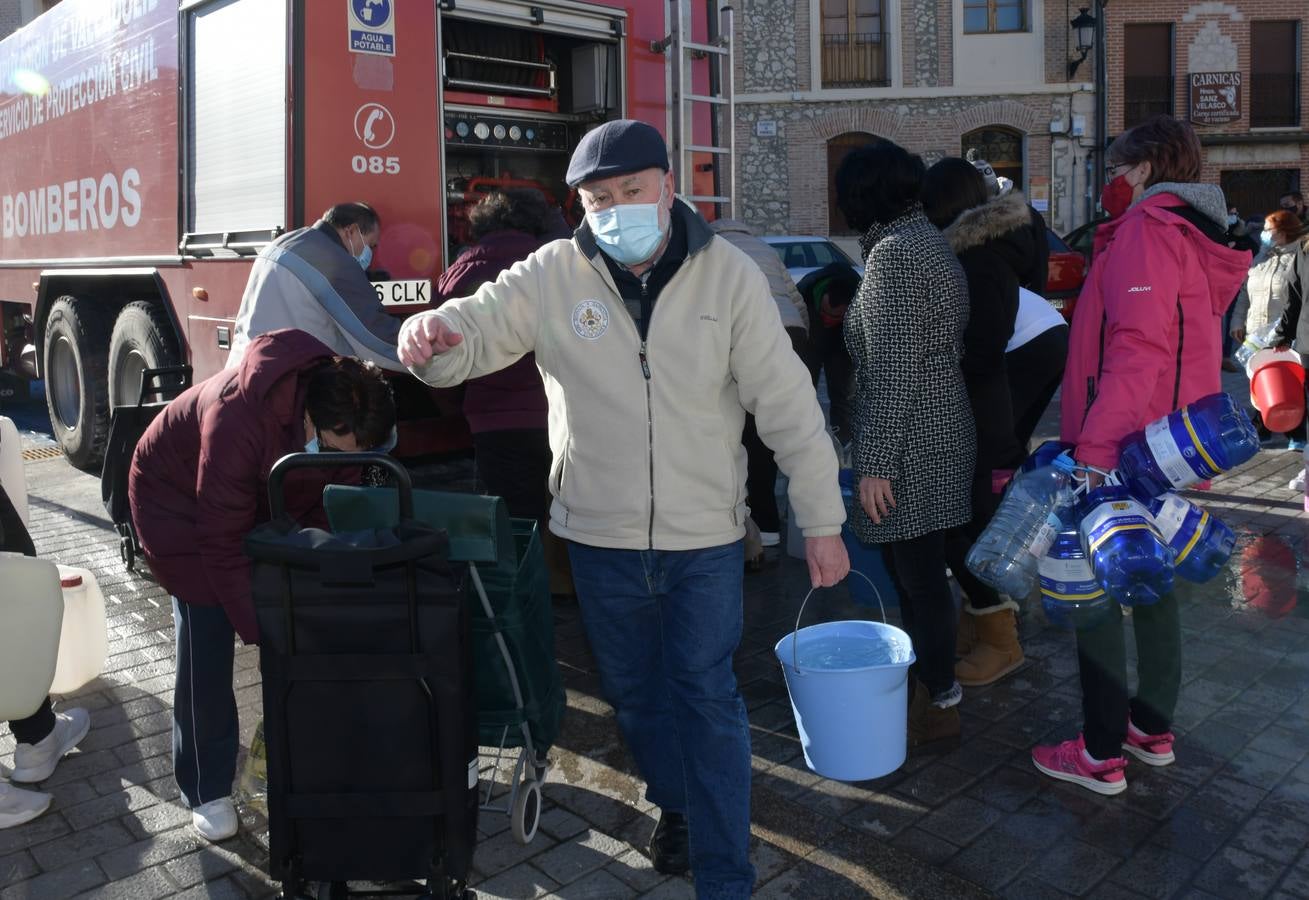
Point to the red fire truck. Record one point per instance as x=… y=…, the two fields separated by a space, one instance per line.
x=152 y=147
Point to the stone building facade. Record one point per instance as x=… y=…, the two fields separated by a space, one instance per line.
x=1250 y=51
x=928 y=77
x=14 y=14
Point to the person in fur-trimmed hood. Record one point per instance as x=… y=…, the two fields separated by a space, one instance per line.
x=993 y=239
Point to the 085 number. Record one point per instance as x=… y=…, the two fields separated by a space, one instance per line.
x=375 y=165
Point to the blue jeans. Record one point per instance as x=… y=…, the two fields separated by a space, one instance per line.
x=205 y=727
x=663 y=626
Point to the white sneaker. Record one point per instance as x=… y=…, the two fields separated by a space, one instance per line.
x=36 y=762
x=18 y=806
x=770 y=538
x=1296 y=483
x=215 y=820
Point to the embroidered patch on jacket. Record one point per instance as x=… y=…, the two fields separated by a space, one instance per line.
x=590 y=319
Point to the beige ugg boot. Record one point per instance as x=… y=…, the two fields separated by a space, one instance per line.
x=997 y=652
x=965 y=635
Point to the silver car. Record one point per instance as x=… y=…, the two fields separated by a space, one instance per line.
x=802 y=254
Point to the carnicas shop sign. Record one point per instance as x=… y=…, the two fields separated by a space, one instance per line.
x=1215 y=97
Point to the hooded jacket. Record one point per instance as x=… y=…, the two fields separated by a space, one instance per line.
x=646 y=434
x=199 y=477
x=1146 y=337
x=790 y=305
x=514 y=397
x=307 y=279
x=997 y=249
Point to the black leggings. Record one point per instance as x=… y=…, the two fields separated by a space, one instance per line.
x=926 y=606
x=1035 y=370
x=15 y=539
x=1102 y=665
x=958 y=541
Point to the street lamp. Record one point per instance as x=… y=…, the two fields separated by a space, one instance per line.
x=1084 y=29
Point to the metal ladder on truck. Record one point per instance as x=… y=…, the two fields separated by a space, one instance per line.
x=718 y=100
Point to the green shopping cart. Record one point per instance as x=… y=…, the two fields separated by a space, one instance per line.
x=519 y=692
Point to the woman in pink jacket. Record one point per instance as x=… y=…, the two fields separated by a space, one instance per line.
x=1145 y=341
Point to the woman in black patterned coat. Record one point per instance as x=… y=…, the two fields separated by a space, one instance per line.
x=915 y=441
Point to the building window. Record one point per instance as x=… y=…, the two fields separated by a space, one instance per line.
x=838 y=148
x=854 y=44
x=994 y=16
x=1257 y=192
x=1148 y=87
x=1274 y=74
x=1001 y=147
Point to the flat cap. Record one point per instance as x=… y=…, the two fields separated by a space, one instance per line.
x=616 y=148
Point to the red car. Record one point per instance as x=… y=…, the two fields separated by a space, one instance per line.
x=1067 y=272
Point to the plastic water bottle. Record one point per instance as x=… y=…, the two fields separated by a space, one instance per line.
x=1045 y=454
x=1009 y=551
x=1070 y=594
x=1254 y=342
x=1195 y=443
x=1201 y=543
x=1128 y=555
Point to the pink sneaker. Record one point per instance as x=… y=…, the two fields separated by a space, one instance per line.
x=1068 y=762
x=1151 y=749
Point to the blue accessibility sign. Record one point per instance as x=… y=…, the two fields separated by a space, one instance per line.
x=372 y=13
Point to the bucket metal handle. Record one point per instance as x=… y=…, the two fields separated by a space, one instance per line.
x=795 y=634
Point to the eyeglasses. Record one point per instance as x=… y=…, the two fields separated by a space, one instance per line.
x=1112 y=172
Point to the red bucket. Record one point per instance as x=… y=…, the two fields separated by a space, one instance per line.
x=1277 y=388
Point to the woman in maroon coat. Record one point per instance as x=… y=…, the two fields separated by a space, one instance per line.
x=199 y=485
x=506 y=410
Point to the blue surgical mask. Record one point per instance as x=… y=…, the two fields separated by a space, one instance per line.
x=628 y=232
x=311 y=445
x=1266 y=238
x=365 y=256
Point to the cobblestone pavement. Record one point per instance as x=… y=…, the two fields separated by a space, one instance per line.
x=1229 y=819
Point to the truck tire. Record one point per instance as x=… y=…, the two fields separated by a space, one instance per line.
x=142 y=339
x=76 y=363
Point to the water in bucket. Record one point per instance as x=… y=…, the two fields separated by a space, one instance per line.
x=829 y=652
x=1200 y=441
x=849 y=688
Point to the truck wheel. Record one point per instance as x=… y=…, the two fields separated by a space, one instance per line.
x=142 y=339
x=76 y=357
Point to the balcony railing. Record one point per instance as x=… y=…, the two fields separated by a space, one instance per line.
x=1274 y=101
x=1146 y=96
x=855 y=60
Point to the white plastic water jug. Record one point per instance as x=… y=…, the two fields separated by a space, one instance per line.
x=11 y=467
x=84 y=642
x=32 y=613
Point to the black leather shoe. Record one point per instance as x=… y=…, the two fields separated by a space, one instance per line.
x=670 y=846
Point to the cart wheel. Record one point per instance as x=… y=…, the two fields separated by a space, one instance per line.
x=526 y=814
x=127 y=551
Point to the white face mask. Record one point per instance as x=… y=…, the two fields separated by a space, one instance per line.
x=630 y=232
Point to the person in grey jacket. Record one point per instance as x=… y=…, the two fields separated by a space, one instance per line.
x=915 y=443
x=314 y=279
x=761 y=466
x=654 y=338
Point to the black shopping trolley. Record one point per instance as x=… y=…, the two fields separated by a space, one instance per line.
x=367 y=677
x=520 y=697
x=126 y=425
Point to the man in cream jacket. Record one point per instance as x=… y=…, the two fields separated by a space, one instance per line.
x=654 y=339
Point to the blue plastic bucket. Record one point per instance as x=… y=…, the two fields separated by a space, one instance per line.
x=851 y=719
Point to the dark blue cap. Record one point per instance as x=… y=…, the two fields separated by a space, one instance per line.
x=616 y=148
